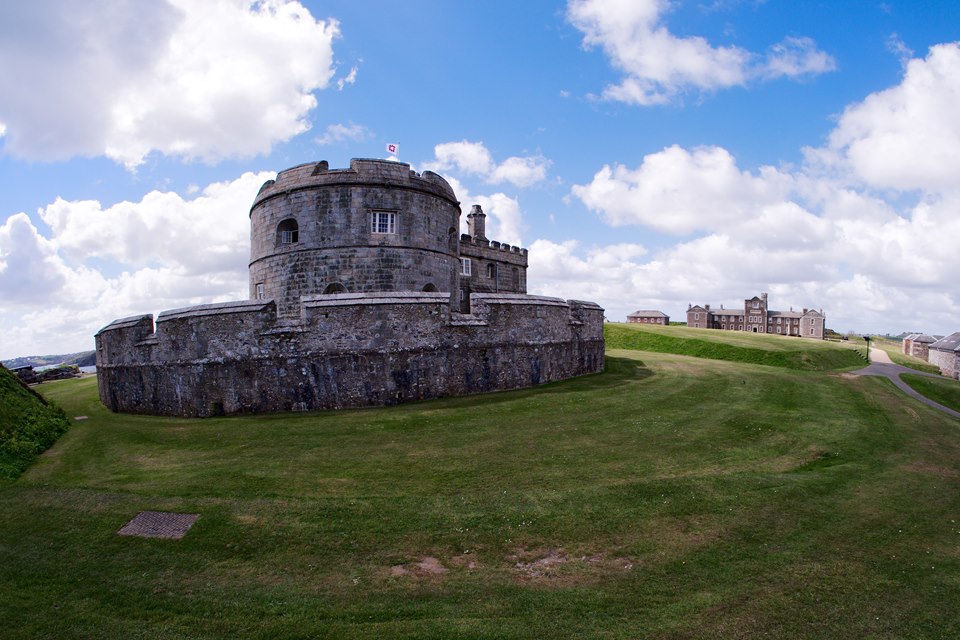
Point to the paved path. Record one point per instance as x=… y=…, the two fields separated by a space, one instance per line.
x=881 y=365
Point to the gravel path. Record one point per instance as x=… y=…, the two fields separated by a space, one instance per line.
x=881 y=365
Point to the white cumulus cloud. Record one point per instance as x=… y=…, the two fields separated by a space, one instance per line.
x=344 y=132
x=350 y=78
x=101 y=263
x=681 y=191
x=209 y=233
x=197 y=80
x=658 y=66
x=906 y=137
x=30 y=269
x=474 y=158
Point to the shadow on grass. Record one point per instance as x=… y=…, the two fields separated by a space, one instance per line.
x=617 y=372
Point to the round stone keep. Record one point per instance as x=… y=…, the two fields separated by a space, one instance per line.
x=377 y=226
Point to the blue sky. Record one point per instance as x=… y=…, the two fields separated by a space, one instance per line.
x=650 y=154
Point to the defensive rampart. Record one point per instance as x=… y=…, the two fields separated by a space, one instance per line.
x=345 y=350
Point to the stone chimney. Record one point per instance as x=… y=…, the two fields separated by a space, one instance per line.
x=477 y=223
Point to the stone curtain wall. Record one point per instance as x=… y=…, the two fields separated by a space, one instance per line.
x=347 y=350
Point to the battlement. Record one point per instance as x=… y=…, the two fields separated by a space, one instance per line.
x=362 y=171
x=217 y=351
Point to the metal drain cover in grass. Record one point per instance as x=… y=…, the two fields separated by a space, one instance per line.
x=159 y=524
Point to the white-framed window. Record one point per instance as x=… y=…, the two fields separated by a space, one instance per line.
x=288 y=232
x=383 y=222
x=260 y=295
x=465 y=266
x=696 y=316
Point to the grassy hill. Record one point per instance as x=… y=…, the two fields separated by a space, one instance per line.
x=28 y=425
x=772 y=350
x=669 y=497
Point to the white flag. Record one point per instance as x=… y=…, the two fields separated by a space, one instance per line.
x=393 y=149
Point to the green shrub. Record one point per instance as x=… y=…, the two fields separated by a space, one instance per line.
x=28 y=426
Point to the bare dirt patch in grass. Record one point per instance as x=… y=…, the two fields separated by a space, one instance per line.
x=556 y=567
x=540 y=564
x=466 y=561
x=426 y=566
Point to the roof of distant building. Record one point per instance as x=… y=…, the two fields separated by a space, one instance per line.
x=648 y=314
x=950 y=343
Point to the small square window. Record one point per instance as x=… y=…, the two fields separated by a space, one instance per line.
x=383 y=222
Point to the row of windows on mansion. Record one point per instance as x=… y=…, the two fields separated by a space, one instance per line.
x=755 y=317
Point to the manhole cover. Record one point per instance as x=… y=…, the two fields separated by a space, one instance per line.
x=159 y=524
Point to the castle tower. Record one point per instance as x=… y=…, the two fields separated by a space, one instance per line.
x=377 y=226
x=477 y=223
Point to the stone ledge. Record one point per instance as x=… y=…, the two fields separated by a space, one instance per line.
x=586 y=304
x=517 y=298
x=220 y=308
x=126 y=323
x=365 y=299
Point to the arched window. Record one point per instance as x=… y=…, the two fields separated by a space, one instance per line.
x=288 y=232
x=430 y=287
x=335 y=287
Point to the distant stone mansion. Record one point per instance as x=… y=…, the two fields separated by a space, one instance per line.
x=363 y=292
x=648 y=316
x=755 y=317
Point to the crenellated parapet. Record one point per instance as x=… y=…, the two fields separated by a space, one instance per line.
x=345 y=350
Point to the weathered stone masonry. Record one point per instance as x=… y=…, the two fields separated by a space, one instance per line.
x=391 y=334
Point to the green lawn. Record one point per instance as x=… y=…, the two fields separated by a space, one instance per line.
x=737 y=346
x=942 y=390
x=669 y=497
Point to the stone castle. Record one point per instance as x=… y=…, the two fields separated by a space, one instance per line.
x=363 y=292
